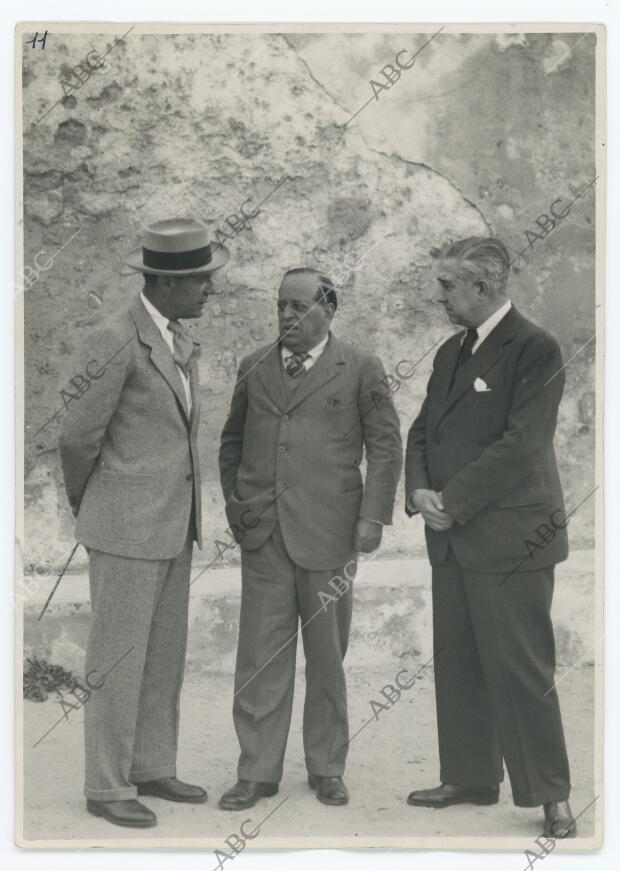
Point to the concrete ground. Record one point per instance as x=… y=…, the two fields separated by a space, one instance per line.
x=389 y=757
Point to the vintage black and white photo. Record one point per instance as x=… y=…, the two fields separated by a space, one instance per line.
x=310 y=457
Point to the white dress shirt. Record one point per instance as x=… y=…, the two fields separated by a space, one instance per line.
x=161 y=322
x=490 y=324
x=314 y=353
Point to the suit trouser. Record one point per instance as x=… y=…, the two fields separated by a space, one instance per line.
x=494 y=679
x=275 y=595
x=136 y=652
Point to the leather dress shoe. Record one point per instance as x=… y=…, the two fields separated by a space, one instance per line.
x=173 y=790
x=559 y=820
x=245 y=794
x=128 y=812
x=329 y=790
x=446 y=795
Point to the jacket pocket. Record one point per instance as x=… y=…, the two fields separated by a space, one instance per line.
x=124 y=505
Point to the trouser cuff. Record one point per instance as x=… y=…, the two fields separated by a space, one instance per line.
x=259 y=775
x=325 y=769
x=470 y=780
x=147 y=774
x=540 y=800
x=122 y=793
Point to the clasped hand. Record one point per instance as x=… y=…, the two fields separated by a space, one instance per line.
x=430 y=506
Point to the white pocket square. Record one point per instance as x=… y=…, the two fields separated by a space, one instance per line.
x=480 y=386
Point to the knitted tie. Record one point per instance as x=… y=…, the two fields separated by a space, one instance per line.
x=183 y=345
x=295 y=363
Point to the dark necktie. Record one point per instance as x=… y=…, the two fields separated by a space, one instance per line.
x=465 y=351
x=295 y=363
x=183 y=345
x=466 y=347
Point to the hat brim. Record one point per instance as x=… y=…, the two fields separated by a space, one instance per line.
x=220 y=256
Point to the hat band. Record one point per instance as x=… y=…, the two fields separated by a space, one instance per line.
x=175 y=260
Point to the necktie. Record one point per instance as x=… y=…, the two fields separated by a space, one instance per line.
x=465 y=352
x=295 y=363
x=468 y=344
x=183 y=345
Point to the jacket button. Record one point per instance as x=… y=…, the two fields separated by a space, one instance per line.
x=188 y=477
x=285 y=417
x=281 y=449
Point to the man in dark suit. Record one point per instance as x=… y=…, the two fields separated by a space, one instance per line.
x=301 y=415
x=481 y=470
x=130 y=462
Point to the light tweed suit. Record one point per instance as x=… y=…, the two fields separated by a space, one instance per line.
x=290 y=458
x=130 y=463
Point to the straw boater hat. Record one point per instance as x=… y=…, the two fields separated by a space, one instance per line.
x=177 y=246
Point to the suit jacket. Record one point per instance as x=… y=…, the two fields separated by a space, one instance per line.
x=296 y=460
x=127 y=447
x=491 y=453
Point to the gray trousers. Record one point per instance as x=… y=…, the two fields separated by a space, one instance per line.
x=275 y=595
x=135 y=662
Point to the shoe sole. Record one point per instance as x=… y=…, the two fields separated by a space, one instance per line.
x=201 y=800
x=243 y=807
x=337 y=803
x=477 y=801
x=146 y=824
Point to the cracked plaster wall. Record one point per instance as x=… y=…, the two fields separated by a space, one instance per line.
x=480 y=136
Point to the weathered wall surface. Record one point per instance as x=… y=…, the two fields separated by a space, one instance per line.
x=480 y=136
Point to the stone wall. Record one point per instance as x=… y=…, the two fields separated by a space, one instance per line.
x=480 y=136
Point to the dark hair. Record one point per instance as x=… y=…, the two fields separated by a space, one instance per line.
x=326 y=292
x=484 y=256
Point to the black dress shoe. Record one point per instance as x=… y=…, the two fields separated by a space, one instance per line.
x=122 y=813
x=173 y=790
x=446 y=795
x=559 y=820
x=245 y=794
x=329 y=790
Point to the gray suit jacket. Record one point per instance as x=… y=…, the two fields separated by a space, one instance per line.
x=128 y=450
x=296 y=460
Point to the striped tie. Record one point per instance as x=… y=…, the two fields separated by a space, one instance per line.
x=295 y=363
x=183 y=345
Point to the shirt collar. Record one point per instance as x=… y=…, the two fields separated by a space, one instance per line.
x=161 y=321
x=490 y=323
x=315 y=352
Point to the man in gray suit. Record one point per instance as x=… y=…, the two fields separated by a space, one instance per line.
x=130 y=463
x=302 y=412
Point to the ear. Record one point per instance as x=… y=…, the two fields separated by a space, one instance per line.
x=483 y=287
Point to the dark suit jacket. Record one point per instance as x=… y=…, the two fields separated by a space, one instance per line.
x=491 y=453
x=128 y=450
x=297 y=460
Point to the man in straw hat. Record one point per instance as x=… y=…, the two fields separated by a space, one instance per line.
x=130 y=462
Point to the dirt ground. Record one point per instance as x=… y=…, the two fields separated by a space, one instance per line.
x=390 y=756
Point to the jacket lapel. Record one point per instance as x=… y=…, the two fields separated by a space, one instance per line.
x=478 y=364
x=328 y=366
x=160 y=353
x=270 y=376
x=194 y=389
